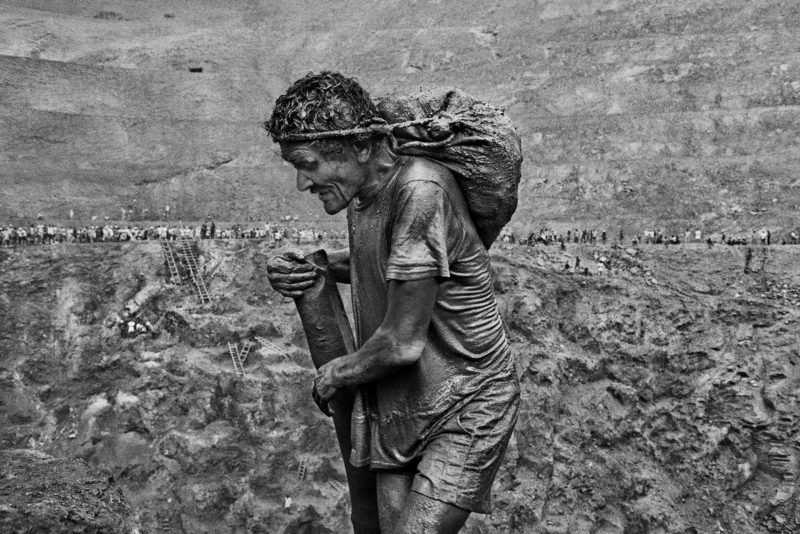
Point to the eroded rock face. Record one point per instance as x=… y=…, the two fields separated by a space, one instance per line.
x=40 y=493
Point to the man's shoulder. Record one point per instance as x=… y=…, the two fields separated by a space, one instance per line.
x=419 y=169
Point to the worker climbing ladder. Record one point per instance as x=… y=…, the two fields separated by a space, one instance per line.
x=169 y=254
x=237 y=363
x=185 y=246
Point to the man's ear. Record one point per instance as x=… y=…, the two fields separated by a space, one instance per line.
x=363 y=152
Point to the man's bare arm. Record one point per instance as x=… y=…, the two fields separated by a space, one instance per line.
x=398 y=342
x=339 y=265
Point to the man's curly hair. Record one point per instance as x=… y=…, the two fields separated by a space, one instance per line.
x=323 y=102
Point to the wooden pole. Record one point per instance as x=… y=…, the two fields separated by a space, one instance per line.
x=329 y=336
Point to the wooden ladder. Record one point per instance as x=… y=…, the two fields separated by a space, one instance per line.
x=270 y=346
x=237 y=363
x=301 y=469
x=194 y=271
x=243 y=354
x=174 y=274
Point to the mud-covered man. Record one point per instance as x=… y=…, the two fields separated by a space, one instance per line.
x=433 y=359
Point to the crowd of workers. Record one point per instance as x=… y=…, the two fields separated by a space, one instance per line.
x=39 y=234
x=36 y=234
x=592 y=236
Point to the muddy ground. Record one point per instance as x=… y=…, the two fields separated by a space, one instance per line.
x=659 y=397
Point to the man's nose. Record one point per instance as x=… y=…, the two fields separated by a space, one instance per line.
x=303 y=182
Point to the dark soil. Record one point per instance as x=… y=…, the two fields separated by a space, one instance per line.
x=661 y=397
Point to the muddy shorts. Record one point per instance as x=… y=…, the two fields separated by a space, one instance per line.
x=460 y=461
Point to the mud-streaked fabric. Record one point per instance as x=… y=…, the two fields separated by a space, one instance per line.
x=415 y=226
x=462 y=458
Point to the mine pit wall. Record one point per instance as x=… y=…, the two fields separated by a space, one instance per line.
x=659 y=398
x=632 y=112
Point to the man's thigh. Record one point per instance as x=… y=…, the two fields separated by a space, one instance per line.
x=403 y=511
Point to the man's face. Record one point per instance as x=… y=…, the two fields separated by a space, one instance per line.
x=335 y=181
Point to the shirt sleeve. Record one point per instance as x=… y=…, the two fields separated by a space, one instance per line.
x=418 y=244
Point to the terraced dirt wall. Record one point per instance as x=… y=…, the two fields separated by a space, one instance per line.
x=632 y=112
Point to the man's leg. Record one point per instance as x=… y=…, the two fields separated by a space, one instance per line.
x=393 y=490
x=424 y=515
x=456 y=468
x=403 y=511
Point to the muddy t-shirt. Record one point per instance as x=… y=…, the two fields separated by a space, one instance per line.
x=416 y=226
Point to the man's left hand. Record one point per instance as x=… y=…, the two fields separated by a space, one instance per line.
x=321 y=404
x=324 y=387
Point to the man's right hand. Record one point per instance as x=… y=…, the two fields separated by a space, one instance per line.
x=289 y=274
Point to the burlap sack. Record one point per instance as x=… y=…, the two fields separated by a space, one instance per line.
x=475 y=140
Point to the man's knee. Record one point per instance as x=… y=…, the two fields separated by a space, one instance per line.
x=393 y=489
x=425 y=515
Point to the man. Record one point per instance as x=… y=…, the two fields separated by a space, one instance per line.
x=22 y=235
x=433 y=360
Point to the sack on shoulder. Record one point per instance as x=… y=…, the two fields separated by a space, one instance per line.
x=475 y=140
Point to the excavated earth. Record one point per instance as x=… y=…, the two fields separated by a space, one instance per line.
x=659 y=397
x=44 y=494
x=636 y=113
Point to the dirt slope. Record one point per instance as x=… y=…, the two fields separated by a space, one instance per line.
x=660 y=398
x=59 y=496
